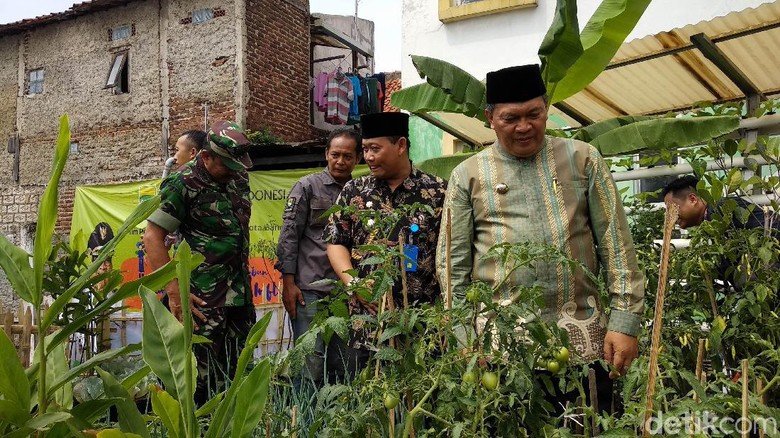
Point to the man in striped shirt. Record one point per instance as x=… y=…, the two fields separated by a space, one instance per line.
x=529 y=187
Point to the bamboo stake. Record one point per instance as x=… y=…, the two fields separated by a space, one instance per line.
x=759 y=390
x=699 y=365
x=594 y=401
x=294 y=422
x=392 y=422
x=745 y=393
x=26 y=337
x=448 y=265
x=695 y=425
x=670 y=220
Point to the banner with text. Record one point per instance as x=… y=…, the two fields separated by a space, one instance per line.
x=99 y=210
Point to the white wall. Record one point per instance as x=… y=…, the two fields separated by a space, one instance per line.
x=487 y=43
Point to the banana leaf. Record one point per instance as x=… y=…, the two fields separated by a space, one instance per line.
x=464 y=88
x=601 y=38
x=443 y=166
x=590 y=132
x=47 y=211
x=664 y=133
x=423 y=98
x=561 y=46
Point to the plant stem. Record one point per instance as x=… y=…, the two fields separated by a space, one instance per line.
x=769 y=385
x=418 y=407
x=42 y=396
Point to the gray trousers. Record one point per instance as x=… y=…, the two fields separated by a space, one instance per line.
x=328 y=359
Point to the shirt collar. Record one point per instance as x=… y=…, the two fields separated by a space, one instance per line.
x=329 y=178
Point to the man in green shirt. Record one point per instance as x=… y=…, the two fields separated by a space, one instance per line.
x=207 y=201
x=532 y=187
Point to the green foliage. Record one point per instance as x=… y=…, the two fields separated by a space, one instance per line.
x=601 y=38
x=561 y=46
x=263 y=137
x=663 y=134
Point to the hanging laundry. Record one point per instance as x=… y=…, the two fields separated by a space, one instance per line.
x=340 y=95
x=382 y=88
x=354 y=107
x=373 y=91
x=320 y=92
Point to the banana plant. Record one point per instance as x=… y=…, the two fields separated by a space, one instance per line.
x=167 y=349
x=36 y=400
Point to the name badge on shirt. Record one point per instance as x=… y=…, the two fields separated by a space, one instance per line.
x=410 y=258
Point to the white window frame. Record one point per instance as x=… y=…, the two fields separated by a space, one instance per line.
x=200 y=16
x=121 y=32
x=36 y=80
x=118 y=64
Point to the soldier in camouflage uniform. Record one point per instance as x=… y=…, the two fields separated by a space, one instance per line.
x=207 y=201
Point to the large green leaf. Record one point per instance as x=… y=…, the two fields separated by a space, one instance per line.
x=154 y=281
x=464 y=88
x=590 y=132
x=164 y=349
x=66 y=376
x=250 y=400
x=187 y=262
x=45 y=421
x=219 y=419
x=16 y=264
x=130 y=419
x=47 y=210
x=169 y=411
x=601 y=38
x=443 y=166
x=136 y=217
x=423 y=98
x=664 y=133
x=561 y=46
x=14 y=385
x=57 y=366
x=10 y=412
x=93 y=410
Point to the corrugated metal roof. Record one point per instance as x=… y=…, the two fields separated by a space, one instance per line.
x=74 y=11
x=666 y=72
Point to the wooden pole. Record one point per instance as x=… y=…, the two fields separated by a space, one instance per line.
x=670 y=220
x=594 y=401
x=745 y=392
x=25 y=343
x=448 y=264
x=294 y=425
x=759 y=390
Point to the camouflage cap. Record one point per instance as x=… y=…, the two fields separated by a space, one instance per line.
x=228 y=140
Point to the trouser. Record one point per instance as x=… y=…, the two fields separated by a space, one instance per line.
x=227 y=329
x=326 y=361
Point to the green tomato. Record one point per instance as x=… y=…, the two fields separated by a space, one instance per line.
x=473 y=296
x=469 y=377
x=553 y=366
x=391 y=400
x=490 y=381
x=363 y=377
x=562 y=355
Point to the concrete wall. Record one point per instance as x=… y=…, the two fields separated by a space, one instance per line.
x=202 y=62
x=490 y=42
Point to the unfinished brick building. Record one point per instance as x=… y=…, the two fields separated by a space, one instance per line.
x=132 y=75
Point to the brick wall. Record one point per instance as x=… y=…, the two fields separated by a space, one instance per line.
x=277 y=63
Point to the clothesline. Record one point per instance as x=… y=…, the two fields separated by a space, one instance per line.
x=344 y=96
